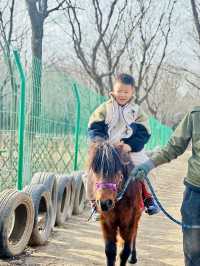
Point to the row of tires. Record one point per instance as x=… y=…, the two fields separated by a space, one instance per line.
x=28 y=216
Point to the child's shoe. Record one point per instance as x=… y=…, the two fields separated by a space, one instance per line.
x=150 y=206
x=95 y=214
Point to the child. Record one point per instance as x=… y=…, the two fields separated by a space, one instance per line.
x=120 y=119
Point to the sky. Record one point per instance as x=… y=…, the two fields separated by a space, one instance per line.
x=58 y=44
x=180 y=45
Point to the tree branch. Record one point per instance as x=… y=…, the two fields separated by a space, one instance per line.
x=193 y=84
x=11 y=21
x=166 y=36
x=58 y=7
x=196 y=18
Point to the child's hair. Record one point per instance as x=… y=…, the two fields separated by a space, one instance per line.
x=125 y=79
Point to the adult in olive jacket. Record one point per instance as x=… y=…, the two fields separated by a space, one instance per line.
x=187 y=130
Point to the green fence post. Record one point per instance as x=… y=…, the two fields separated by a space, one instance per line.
x=21 y=117
x=77 y=128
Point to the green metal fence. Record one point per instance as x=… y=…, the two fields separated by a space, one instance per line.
x=47 y=131
x=160 y=134
x=49 y=122
x=43 y=125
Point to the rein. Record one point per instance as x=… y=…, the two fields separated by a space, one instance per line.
x=121 y=193
x=113 y=187
x=186 y=226
x=106 y=185
x=120 y=196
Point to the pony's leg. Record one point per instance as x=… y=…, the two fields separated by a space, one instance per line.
x=128 y=234
x=125 y=253
x=111 y=251
x=133 y=256
x=110 y=233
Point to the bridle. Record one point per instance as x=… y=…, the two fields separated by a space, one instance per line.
x=114 y=187
x=106 y=185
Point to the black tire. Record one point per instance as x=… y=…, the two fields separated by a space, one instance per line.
x=49 y=180
x=80 y=193
x=72 y=197
x=15 y=232
x=43 y=214
x=65 y=199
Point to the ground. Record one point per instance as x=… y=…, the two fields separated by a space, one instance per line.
x=159 y=241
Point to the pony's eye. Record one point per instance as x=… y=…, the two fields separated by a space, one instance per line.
x=110 y=203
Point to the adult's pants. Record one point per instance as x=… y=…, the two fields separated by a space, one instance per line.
x=190 y=211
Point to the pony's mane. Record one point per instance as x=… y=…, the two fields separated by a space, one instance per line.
x=107 y=160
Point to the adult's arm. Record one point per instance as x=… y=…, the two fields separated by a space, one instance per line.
x=177 y=144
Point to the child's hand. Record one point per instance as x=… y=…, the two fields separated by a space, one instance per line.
x=126 y=147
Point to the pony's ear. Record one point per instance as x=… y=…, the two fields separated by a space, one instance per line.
x=91 y=151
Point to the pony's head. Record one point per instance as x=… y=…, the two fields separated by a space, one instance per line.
x=110 y=166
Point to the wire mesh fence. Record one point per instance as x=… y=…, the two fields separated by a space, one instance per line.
x=49 y=122
x=9 y=98
x=47 y=131
x=160 y=134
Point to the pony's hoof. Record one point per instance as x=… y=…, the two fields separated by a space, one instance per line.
x=132 y=260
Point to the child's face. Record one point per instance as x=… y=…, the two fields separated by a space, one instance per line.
x=122 y=93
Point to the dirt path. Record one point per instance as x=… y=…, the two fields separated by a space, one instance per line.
x=159 y=241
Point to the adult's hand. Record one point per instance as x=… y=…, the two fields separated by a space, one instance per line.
x=140 y=171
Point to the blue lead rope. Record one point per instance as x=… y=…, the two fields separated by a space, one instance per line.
x=121 y=194
x=185 y=226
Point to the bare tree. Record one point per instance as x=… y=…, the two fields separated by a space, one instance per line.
x=101 y=55
x=195 y=5
x=8 y=83
x=164 y=92
x=6 y=32
x=11 y=34
x=38 y=12
x=192 y=77
x=147 y=51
